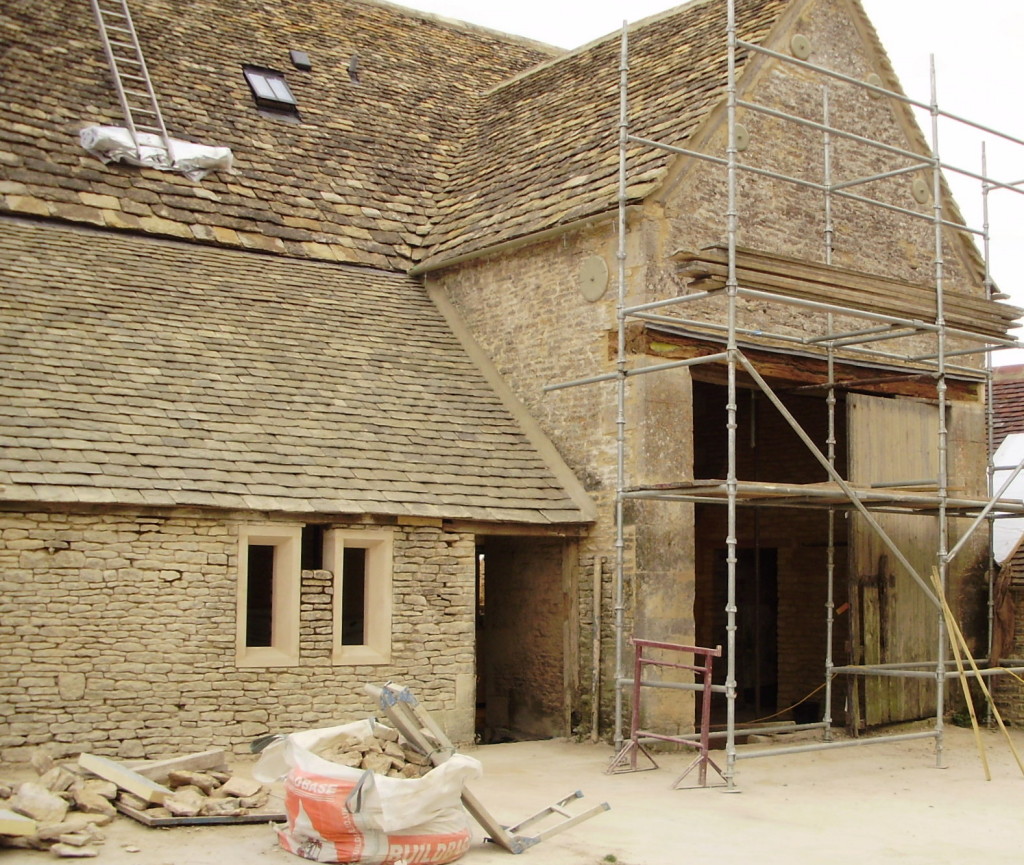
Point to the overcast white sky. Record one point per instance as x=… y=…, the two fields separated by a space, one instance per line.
x=978 y=47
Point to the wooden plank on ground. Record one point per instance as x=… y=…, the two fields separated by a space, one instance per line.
x=143 y=817
x=159 y=770
x=125 y=778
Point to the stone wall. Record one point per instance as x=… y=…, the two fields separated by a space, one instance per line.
x=117 y=635
x=527 y=313
x=689 y=211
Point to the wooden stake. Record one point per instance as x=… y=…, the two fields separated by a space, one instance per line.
x=948 y=614
x=955 y=629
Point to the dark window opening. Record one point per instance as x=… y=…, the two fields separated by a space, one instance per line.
x=259 y=603
x=312 y=547
x=353 y=597
x=270 y=90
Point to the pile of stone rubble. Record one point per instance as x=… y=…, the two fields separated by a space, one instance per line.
x=382 y=753
x=64 y=809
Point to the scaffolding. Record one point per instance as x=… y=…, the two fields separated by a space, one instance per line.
x=728 y=276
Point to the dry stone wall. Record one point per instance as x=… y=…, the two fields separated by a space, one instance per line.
x=117 y=636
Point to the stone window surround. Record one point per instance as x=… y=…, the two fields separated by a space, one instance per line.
x=287 y=542
x=378 y=544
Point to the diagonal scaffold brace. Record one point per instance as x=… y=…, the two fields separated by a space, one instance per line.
x=413 y=721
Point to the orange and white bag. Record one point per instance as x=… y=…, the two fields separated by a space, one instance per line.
x=338 y=814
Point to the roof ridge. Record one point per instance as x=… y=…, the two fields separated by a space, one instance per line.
x=593 y=43
x=468 y=26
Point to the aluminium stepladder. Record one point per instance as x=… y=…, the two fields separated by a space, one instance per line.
x=419 y=729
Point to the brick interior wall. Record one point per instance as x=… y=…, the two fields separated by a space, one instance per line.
x=117 y=635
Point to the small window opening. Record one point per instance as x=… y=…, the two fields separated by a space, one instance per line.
x=353 y=69
x=259 y=613
x=353 y=597
x=312 y=547
x=270 y=90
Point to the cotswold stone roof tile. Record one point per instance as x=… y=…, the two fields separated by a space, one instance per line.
x=211 y=377
x=454 y=138
x=363 y=162
x=543 y=145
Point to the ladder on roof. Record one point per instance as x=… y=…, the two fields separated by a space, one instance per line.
x=131 y=77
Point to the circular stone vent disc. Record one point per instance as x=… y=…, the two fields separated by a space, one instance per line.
x=593 y=278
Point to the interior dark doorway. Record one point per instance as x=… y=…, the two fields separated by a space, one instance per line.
x=783 y=559
x=521 y=636
x=757 y=637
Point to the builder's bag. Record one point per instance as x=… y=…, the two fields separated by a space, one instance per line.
x=342 y=815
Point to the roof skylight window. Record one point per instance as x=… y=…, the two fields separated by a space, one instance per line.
x=270 y=90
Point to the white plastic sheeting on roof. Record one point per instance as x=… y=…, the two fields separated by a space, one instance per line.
x=1007 y=532
x=114 y=143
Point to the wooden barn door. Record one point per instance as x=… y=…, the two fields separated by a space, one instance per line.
x=892 y=441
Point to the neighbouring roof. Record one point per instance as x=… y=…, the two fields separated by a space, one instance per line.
x=1007 y=402
x=453 y=138
x=150 y=372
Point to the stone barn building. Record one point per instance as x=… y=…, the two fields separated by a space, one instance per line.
x=283 y=430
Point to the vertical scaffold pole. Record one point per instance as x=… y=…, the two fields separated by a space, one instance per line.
x=732 y=350
x=943 y=433
x=620 y=416
x=990 y=573
x=830 y=400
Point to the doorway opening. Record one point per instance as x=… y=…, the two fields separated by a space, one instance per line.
x=757 y=638
x=521 y=636
x=781 y=573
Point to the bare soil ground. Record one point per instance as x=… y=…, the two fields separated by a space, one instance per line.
x=876 y=803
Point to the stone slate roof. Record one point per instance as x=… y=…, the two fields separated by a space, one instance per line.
x=544 y=148
x=151 y=372
x=452 y=139
x=353 y=182
x=1007 y=402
